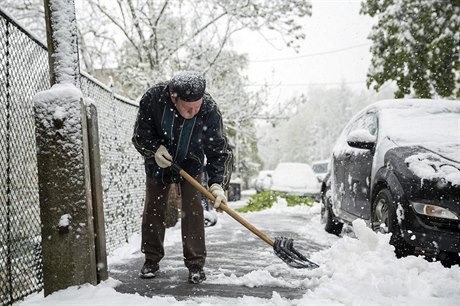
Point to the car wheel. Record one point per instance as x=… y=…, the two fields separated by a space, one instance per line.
x=384 y=220
x=331 y=224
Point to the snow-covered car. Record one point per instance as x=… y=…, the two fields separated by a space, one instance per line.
x=296 y=179
x=396 y=165
x=320 y=168
x=263 y=181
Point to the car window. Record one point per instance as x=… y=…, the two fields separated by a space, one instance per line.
x=372 y=127
x=367 y=121
x=320 y=167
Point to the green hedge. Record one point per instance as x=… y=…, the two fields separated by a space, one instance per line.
x=264 y=200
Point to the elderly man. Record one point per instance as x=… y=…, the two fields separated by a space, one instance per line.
x=178 y=121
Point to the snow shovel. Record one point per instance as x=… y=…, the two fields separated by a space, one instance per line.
x=283 y=247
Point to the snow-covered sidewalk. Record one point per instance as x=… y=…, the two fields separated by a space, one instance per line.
x=353 y=271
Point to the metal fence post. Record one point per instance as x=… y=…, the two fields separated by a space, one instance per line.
x=97 y=196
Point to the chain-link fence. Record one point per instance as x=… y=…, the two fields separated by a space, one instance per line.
x=123 y=178
x=23 y=73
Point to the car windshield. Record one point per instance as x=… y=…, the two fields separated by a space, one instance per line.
x=320 y=167
x=437 y=130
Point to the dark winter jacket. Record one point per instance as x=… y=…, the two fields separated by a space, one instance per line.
x=187 y=140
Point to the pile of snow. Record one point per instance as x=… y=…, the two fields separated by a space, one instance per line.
x=430 y=166
x=365 y=271
x=64 y=221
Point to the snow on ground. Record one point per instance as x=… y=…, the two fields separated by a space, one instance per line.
x=357 y=269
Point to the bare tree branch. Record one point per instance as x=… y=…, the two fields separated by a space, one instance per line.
x=118 y=25
x=204 y=27
x=143 y=42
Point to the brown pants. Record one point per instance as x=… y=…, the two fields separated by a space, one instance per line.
x=192 y=222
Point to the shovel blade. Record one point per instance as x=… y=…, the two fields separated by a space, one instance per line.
x=284 y=249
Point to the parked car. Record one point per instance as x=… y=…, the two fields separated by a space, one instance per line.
x=296 y=179
x=263 y=181
x=234 y=189
x=396 y=165
x=320 y=168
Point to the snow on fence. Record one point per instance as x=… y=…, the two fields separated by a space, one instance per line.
x=23 y=73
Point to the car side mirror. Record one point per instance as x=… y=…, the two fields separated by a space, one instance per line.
x=361 y=139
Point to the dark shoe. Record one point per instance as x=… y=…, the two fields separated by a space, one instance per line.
x=149 y=269
x=196 y=275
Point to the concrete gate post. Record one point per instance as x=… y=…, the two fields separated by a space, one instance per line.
x=68 y=237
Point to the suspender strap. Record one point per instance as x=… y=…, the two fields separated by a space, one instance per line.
x=167 y=125
x=167 y=122
x=184 y=139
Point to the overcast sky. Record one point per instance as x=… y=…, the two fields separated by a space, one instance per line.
x=336 y=49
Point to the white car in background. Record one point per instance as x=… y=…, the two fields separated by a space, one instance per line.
x=263 y=181
x=296 y=179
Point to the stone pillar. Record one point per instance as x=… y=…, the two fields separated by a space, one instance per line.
x=64 y=189
x=68 y=247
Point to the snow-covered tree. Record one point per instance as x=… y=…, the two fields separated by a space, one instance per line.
x=157 y=38
x=31 y=13
x=416 y=44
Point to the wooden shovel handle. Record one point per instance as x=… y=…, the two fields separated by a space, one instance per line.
x=223 y=206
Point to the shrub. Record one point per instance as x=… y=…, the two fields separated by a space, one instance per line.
x=264 y=200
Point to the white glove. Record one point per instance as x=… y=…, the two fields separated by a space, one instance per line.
x=162 y=157
x=219 y=194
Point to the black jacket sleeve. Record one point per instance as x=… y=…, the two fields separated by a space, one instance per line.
x=145 y=137
x=217 y=150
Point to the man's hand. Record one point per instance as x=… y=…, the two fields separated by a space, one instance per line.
x=162 y=157
x=219 y=194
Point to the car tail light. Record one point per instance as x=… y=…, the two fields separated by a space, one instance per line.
x=433 y=211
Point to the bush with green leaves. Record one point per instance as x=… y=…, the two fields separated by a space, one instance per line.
x=264 y=200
